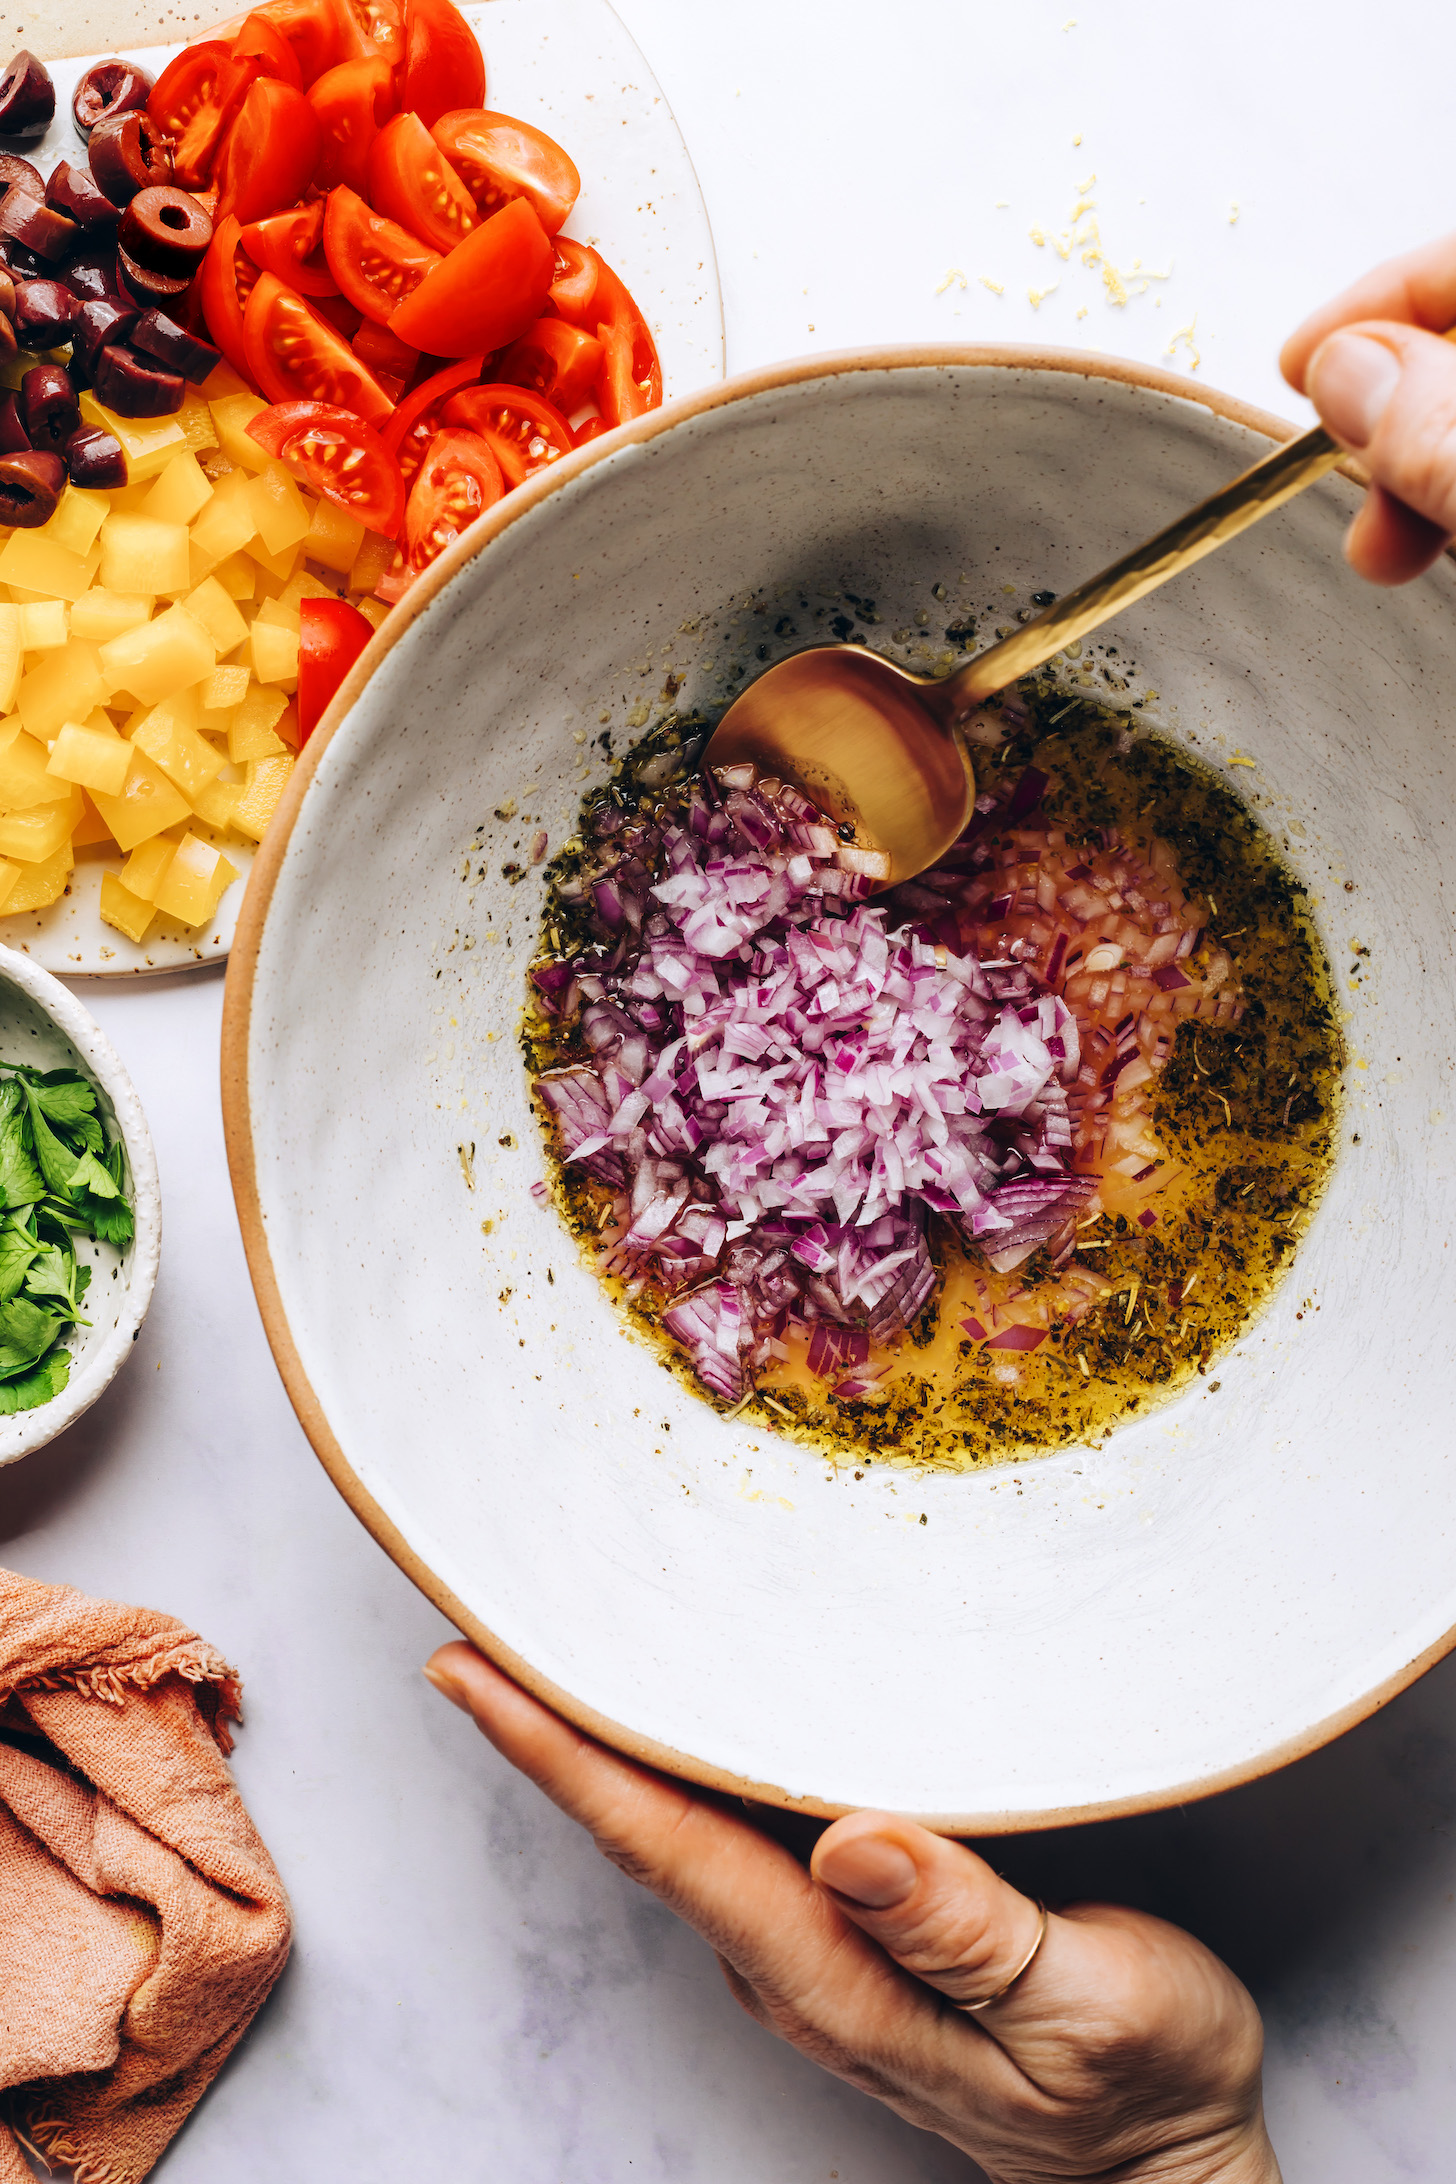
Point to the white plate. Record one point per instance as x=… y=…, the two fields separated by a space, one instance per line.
x=571 y=67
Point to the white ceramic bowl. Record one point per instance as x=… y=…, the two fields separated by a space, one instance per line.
x=1218 y=1587
x=42 y=1023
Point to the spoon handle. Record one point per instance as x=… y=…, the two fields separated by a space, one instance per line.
x=1280 y=475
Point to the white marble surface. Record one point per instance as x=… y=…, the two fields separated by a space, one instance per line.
x=472 y=1994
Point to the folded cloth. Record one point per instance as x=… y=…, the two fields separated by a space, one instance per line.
x=142 y=1922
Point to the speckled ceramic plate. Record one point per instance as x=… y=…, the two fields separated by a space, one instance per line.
x=1216 y=1587
x=570 y=67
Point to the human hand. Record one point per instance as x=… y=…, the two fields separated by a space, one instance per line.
x=1125 y=2053
x=1384 y=384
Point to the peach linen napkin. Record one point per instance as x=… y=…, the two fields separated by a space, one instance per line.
x=142 y=1922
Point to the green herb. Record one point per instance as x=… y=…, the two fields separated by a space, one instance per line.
x=59 y=1178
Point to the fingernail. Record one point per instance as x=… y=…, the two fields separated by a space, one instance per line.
x=1351 y=381
x=869 y=1869
x=449 y=1687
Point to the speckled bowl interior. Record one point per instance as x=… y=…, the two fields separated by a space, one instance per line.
x=1213 y=1589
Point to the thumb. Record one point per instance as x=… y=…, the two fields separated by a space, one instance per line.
x=932 y=1905
x=1388 y=393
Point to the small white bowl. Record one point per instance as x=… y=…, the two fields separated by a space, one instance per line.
x=43 y=1024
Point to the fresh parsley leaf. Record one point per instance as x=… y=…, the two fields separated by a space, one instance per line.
x=26 y=1333
x=20 y=1183
x=38 y=1386
x=54 y=1274
x=63 y=1097
x=57 y=1163
x=90 y=1175
x=111 y=1222
x=16 y=1253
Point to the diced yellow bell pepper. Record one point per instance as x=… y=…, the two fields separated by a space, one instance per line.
x=217 y=803
x=224 y=688
x=101 y=615
x=148 y=443
x=373 y=558
x=65 y=685
x=120 y=908
x=232 y=415
x=9 y=875
x=251 y=729
x=43 y=625
x=278 y=507
x=92 y=829
x=194 y=881
x=227 y=523
x=373 y=610
x=30 y=837
x=39 y=885
x=267 y=779
x=142 y=873
x=281 y=565
x=147 y=804
x=279 y=613
x=92 y=760
x=159 y=658
x=303 y=584
x=195 y=421
x=237 y=576
x=211 y=606
x=77 y=519
x=334 y=537
x=24 y=779
x=183 y=755
x=179 y=492
x=42 y=565
x=141 y=554
x=275 y=654
x=11 y=656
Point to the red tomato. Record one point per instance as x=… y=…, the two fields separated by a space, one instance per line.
x=631 y=376
x=260 y=42
x=524 y=431
x=223 y=288
x=287 y=243
x=457 y=481
x=443 y=64
x=382 y=23
x=320 y=33
x=412 y=182
x=271 y=152
x=338 y=456
x=592 y=429
x=418 y=418
x=331 y=636
x=294 y=356
x=376 y=263
x=556 y=360
x=335 y=311
x=486 y=292
x=353 y=102
x=193 y=101
x=574 y=282
x=498 y=159
x=377 y=347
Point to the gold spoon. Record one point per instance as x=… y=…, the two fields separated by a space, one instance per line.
x=883 y=750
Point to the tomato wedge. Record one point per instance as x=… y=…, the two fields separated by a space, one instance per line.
x=630 y=382
x=498 y=159
x=457 y=481
x=375 y=262
x=556 y=360
x=337 y=456
x=443 y=63
x=264 y=46
x=353 y=102
x=412 y=182
x=223 y=288
x=295 y=356
x=524 y=432
x=271 y=152
x=574 y=282
x=331 y=636
x=319 y=33
x=287 y=243
x=419 y=416
x=486 y=292
x=382 y=23
x=193 y=101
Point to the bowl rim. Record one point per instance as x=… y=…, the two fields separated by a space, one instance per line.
x=97 y=1368
x=237 y=1116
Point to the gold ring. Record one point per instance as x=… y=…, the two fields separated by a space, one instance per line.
x=970 y=2008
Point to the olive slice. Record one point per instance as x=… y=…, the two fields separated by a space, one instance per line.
x=152 y=291
x=106 y=90
x=127 y=155
x=48 y=406
x=7 y=294
x=173 y=346
x=9 y=346
x=27 y=98
x=14 y=439
x=96 y=327
x=91 y=275
x=44 y=311
x=73 y=191
x=136 y=386
x=36 y=227
x=31 y=482
x=18 y=173
x=166 y=231
x=95 y=460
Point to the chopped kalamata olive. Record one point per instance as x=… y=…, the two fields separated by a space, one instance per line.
x=7 y=293
x=95 y=460
x=91 y=275
x=135 y=385
x=48 y=406
x=72 y=190
x=18 y=173
x=166 y=230
x=23 y=263
x=27 y=98
x=14 y=439
x=44 y=311
x=96 y=326
x=153 y=291
x=9 y=346
x=109 y=89
x=173 y=346
x=32 y=224
x=31 y=482
x=127 y=155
